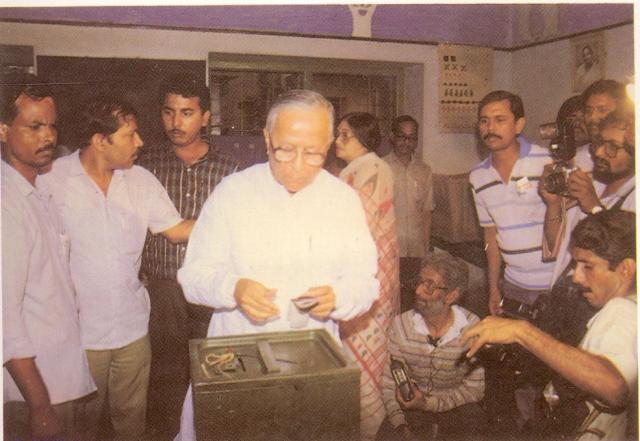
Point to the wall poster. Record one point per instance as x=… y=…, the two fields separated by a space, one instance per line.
x=465 y=77
x=589 y=59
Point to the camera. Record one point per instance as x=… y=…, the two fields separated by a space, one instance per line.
x=562 y=148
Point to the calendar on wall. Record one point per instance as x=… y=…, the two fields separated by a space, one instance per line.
x=465 y=77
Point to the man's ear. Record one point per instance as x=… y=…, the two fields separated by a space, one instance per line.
x=267 y=139
x=4 y=130
x=452 y=297
x=520 y=125
x=205 y=118
x=98 y=141
x=627 y=269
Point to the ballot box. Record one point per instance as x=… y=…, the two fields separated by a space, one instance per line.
x=281 y=386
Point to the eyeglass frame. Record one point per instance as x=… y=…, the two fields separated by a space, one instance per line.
x=297 y=151
x=344 y=136
x=406 y=138
x=608 y=145
x=429 y=285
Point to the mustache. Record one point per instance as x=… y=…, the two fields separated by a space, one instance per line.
x=176 y=132
x=46 y=148
x=492 y=135
x=601 y=163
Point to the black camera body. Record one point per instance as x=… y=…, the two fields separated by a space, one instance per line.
x=562 y=149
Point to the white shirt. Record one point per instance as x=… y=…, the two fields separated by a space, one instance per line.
x=413 y=198
x=252 y=227
x=39 y=315
x=613 y=333
x=107 y=235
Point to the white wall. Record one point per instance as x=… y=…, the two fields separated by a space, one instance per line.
x=541 y=74
x=455 y=153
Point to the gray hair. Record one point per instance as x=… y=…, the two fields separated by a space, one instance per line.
x=300 y=98
x=454 y=271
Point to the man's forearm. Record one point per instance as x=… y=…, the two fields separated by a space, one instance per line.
x=179 y=233
x=553 y=222
x=494 y=260
x=591 y=373
x=28 y=379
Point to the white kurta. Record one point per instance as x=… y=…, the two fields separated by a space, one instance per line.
x=251 y=227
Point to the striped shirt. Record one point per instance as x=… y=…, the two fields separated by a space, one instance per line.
x=441 y=372
x=188 y=187
x=517 y=211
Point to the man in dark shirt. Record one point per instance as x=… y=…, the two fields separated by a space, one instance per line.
x=189 y=167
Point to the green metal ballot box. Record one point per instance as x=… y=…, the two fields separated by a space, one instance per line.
x=281 y=386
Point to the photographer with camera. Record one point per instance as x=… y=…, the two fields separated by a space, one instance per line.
x=605 y=365
x=613 y=185
x=427 y=385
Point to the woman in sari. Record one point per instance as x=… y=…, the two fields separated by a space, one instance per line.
x=365 y=337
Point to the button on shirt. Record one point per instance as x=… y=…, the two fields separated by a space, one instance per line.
x=107 y=235
x=39 y=313
x=188 y=188
x=413 y=197
x=251 y=227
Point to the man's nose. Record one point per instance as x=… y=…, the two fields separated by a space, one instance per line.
x=176 y=121
x=577 y=276
x=139 y=143
x=49 y=134
x=298 y=161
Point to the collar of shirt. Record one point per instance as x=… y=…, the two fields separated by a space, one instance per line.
x=394 y=158
x=525 y=148
x=168 y=152
x=459 y=322
x=10 y=173
x=77 y=169
x=612 y=198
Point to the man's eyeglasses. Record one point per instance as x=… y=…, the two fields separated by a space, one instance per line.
x=610 y=148
x=313 y=159
x=412 y=138
x=428 y=285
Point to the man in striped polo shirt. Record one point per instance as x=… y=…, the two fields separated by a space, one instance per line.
x=189 y=168
x=510 y=210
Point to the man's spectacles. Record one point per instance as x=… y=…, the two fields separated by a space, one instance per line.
x=412 y=138
x=610 y=148
x=428 y=284
x=313 y=159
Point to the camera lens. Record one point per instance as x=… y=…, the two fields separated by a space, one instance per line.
x=556 y=182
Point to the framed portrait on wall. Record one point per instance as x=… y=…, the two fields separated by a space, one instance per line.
x=589 y=60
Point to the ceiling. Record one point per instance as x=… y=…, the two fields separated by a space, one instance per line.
x=502 y=26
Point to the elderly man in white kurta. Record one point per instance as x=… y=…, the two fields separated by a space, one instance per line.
x=280 y=230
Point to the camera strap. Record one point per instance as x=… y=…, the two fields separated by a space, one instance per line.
x=620 y=201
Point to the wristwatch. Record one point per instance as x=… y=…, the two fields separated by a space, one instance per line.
x=597 y=209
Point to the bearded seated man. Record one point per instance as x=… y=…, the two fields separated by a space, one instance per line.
x=426 y=340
